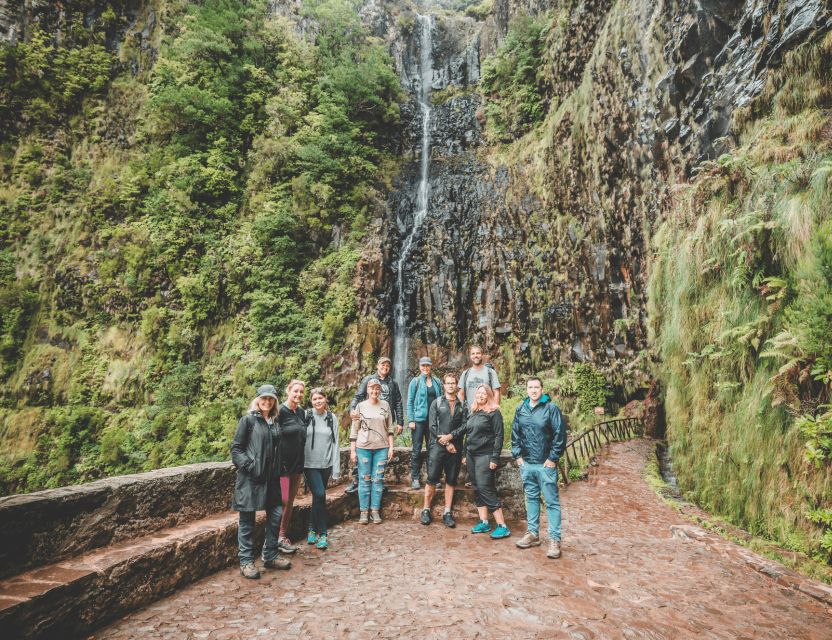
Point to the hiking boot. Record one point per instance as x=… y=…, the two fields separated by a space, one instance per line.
x=284 y=545
x=553 y=551
x=250 y=571
x=375 y=516
x=482 y=526
x=323 y=545
x=439 y=486
x=500 y=532
x=528 y=540
x=277 y=563
x=448 y=520
x=425 y=519
x=363 y=518
x=353 y=486
x=311 y=537
x=415 y=484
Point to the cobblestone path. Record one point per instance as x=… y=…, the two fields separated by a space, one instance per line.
x=623 y=575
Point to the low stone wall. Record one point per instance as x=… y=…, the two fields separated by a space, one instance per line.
x=106 y=555
x=48 y=526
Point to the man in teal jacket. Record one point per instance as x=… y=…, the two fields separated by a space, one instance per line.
x=538 y=440
x=422 y=391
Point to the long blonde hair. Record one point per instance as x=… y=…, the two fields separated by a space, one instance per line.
x=252 y=407
x=292 y=383
x=490 y=402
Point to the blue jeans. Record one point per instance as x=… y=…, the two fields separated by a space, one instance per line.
x=371 y=466
x=316 y=480
x=538 y=479
x=245 y=534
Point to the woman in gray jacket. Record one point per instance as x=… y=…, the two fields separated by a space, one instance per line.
x=254 y=452
x=322 y=461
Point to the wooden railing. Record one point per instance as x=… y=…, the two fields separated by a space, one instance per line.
x=585 y=445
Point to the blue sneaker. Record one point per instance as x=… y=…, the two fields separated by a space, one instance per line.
x=481 y=527
x=322 y=543
x=311 y=537
x=500 y=532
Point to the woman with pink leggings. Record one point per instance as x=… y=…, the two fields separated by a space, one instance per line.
x=291 y=423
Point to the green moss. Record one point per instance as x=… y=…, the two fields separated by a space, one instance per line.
x=512 y=84
x=740 y=306
x=173 y=238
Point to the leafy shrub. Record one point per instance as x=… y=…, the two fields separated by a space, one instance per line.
x=512 y=83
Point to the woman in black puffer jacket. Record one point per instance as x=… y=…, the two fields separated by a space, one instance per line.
x=254 y=452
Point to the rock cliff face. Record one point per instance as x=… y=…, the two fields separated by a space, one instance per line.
x=541 y=251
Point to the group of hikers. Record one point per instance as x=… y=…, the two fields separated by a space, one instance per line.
x=459 y=422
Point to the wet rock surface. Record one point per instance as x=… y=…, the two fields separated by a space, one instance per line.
x=627 y=572
x=543 y=256
x=45 y=526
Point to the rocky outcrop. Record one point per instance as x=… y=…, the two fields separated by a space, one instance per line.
x=544 y=257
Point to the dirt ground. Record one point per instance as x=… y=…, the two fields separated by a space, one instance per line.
x=622 y=575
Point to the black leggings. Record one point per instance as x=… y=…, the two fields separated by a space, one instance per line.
x=419 y=435
x=484 y=479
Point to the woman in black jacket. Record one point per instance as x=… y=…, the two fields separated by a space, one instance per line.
x=254 y=452
x=291 y=423
x=483 y=444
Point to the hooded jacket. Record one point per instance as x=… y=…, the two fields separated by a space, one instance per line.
x=538 y=433
x=254 y=451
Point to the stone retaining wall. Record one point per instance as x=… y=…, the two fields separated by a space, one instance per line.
x=48 y=526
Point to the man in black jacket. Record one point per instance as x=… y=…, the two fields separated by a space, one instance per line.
x=390 y=393
x=446 y=415
x=538 y=440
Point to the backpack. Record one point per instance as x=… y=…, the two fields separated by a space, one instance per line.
x=489 y=366
x=330 y=422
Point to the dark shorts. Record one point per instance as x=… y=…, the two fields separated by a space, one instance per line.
x=440 y=461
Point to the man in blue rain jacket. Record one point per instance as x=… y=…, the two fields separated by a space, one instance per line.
x=538 y=440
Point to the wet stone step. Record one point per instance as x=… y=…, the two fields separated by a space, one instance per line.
x=74 y=596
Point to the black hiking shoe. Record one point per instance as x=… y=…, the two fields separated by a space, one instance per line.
x=425 y=519
x=448 y=520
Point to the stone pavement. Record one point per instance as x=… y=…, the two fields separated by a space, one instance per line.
x=624 y=574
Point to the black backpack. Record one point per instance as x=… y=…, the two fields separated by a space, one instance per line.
x=330 y=422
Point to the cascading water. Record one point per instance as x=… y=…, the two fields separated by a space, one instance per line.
x=400 y=330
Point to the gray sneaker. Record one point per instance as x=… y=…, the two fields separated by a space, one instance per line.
x=376 y=516
x=528 y=540
x=363 y=518
x=250 y=571
x=277 y=563
x=415 y=484
x=285 y=546
x=554 y=549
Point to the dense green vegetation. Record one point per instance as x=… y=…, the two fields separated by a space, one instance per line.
x=741 y=308
x=172 y=225
x=512 y=80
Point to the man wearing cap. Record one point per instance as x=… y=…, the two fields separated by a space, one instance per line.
x=390 y=393
x=422 y=391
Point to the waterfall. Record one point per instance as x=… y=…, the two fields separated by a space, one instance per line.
x=400 y=330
